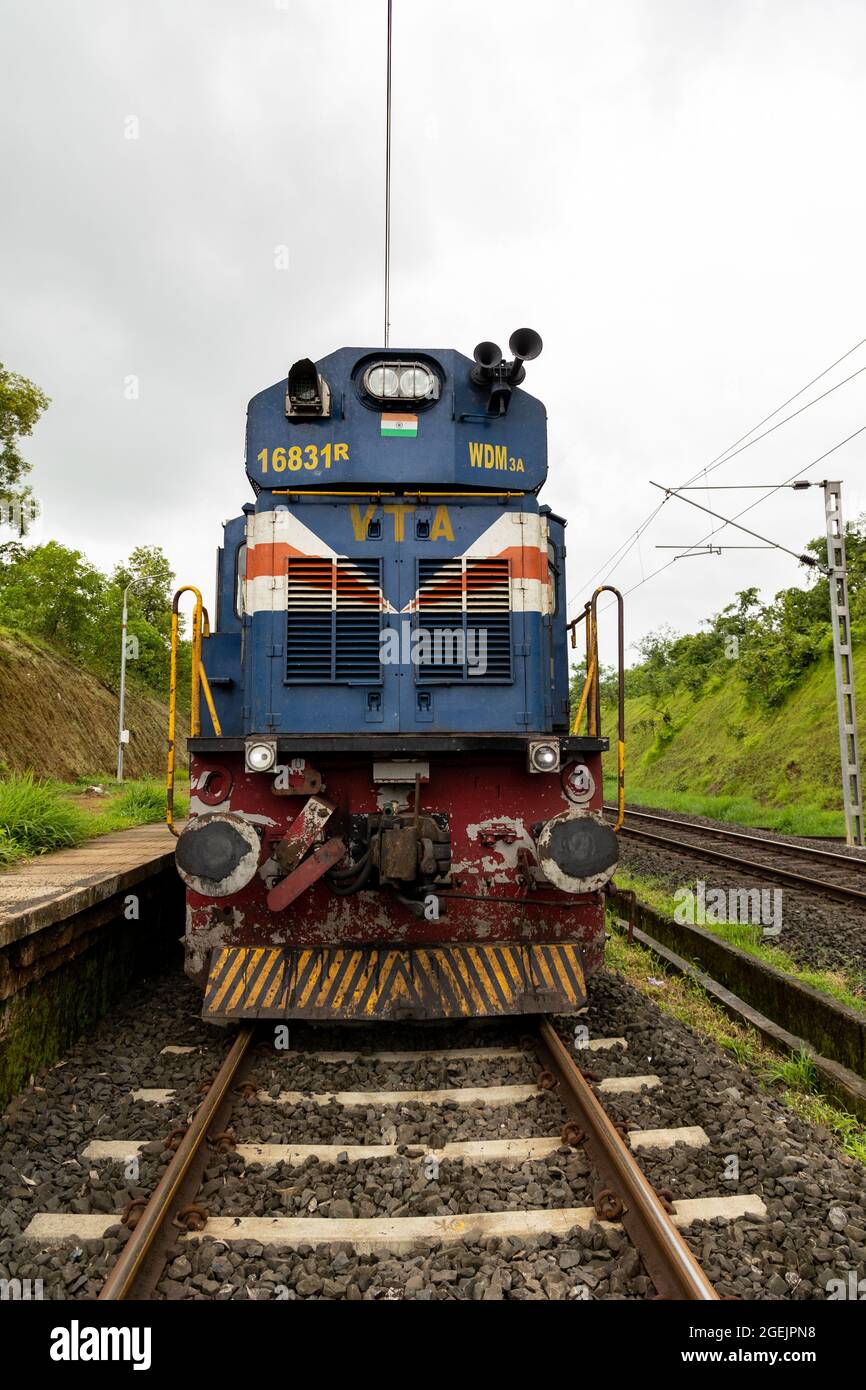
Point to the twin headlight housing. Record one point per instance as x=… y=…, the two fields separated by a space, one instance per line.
x=401 y=381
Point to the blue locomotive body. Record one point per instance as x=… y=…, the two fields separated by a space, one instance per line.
x=384 y=765
x=415 y=520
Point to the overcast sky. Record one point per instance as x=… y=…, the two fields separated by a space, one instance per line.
x=670 y=191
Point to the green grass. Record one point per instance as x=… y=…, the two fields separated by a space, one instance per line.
x=37 y=815
x=847 y=987
x=714 y=754
x=684 y=999
x=138 y=803
x=735 y=810
x=8 y=852
x=796 y=1071
x=35 y=818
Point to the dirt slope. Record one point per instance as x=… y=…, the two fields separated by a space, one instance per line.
x=61 y=720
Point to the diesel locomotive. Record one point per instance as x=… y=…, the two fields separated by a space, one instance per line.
x=390 y=816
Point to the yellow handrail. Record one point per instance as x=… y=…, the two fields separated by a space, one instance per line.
x=199 y=681
x=589 y=699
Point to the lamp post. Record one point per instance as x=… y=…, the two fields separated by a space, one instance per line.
x=122 y=733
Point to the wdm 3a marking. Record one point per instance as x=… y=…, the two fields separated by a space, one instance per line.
x=494 y=456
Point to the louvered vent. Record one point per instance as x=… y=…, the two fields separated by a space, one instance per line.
x=465 y=606
x=333 y=619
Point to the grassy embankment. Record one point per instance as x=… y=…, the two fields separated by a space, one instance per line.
x=712 y=754
x=58 y=722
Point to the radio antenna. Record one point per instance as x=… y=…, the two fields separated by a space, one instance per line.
x=388 y=184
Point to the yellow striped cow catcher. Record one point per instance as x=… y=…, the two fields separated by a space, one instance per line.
x=367 y=982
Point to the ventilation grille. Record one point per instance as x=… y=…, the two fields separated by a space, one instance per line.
x=464 y=605
x=333 y=619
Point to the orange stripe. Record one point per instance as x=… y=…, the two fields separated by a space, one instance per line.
x=268 y=559
x=527 y=562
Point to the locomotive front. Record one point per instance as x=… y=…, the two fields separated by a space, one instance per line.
x=389 y=818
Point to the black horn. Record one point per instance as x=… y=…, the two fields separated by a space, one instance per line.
x=526 y=345
x=488 y=356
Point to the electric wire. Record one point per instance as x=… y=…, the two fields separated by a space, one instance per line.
x=618 y=555
x=757 y=502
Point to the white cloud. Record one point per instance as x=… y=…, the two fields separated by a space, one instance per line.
x=670 y=193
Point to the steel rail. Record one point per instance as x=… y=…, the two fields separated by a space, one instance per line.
x=668 y=1259
x=130 y=1261
x=743 y=837
x=770 y=871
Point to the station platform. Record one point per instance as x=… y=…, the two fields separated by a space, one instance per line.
x=51 y=888
x=77 y=928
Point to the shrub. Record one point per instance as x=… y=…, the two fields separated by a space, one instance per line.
x=34 y=818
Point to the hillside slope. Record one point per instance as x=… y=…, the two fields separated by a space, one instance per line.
x=715 y=744
x=61 y=720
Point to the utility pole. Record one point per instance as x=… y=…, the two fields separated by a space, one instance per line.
x=845 y=701
x=122 y=733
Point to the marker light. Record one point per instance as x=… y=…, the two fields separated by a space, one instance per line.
x=401 y=381
x=544 y=757
x=260 y=756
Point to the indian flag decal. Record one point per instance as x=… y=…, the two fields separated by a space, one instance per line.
x=399 y=426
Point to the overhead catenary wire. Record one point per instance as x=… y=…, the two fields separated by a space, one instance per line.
x=757 y=502
x=622 y=550
x=732 y=453
x=730 y=521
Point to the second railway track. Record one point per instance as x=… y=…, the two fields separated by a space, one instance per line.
x=842 y=880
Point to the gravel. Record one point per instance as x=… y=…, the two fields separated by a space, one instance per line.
x=815 y=1195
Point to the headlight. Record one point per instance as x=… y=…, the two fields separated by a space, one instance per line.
x=401 y=381
x=544 y=757
x=261 y=755
x=383 y=382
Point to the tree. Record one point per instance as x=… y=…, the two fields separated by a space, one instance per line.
x=21 y=404
x=53 y=593
x=150 y=578
x=56 y=594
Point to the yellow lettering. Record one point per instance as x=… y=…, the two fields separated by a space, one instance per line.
x=441 y=526
x=398 y=512
x=341 y=454
x=278 y=459
x=501 y=456
x=359 y=522
x=475 y=455
x=312 y=459
x=489 y=456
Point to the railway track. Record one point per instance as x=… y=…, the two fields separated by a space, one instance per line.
x=618 y=1193
x=845 y=872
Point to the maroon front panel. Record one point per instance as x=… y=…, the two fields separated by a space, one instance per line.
x=492 y=804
